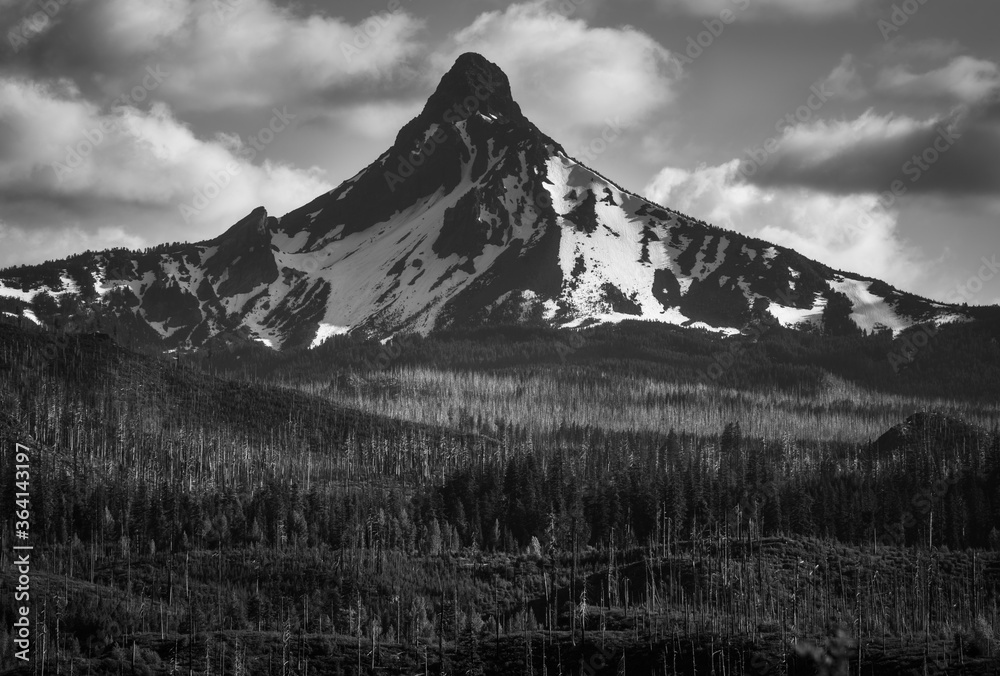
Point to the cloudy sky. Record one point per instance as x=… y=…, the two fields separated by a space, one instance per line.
x=863 y=133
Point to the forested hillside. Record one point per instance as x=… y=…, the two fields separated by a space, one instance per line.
x=376 y=509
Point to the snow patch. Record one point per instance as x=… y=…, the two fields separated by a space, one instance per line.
x=325 y=331
x=870 y=311
x=792 y=316
x=17 y=294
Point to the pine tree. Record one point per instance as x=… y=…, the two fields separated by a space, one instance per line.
x=468 y=661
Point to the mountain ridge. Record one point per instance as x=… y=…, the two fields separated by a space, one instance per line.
x=473 y=217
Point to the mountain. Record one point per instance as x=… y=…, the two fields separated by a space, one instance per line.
x=473 y=217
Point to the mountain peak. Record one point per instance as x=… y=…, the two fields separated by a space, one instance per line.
x=251 y=226
x=473 y=85
x=475 y=217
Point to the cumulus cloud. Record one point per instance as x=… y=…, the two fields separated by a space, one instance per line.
x=871 y=151
x=768 y=9
x=962 y=80
x=376 y=120
x=844 y=81
x=223 y=55
x=568 y=76
x=854 y=232
x=77 y=175
x=922 y=52
x=931 y=71
x=953 y=153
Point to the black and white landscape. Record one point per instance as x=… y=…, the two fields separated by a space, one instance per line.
x=543 y=388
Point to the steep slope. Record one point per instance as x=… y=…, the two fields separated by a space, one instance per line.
x=473 y=217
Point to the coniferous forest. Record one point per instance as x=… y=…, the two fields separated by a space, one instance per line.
x=507 y=502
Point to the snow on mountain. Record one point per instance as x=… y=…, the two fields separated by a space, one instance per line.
x=472 y=217
x=870 y=312
x=792 y=316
